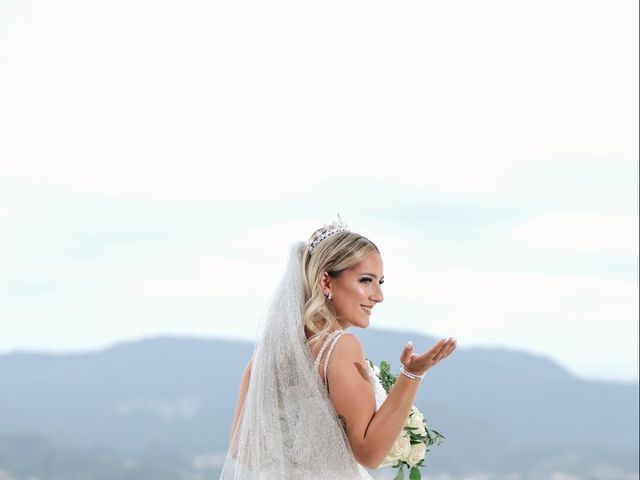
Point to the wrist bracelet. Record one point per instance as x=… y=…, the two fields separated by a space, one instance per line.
x=412 y=376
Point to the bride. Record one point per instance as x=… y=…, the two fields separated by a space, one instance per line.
x=310 y=407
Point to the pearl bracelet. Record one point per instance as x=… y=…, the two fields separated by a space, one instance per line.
x=412 y=376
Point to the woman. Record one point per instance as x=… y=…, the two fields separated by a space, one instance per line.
x=309 y=405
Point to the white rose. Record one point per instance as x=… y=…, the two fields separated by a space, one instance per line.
x=416 y=420
x=415 y=412
x=418 y=452
x=376 y=370
x=400 y=450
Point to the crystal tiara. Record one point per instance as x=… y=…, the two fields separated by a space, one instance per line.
x=335 y=227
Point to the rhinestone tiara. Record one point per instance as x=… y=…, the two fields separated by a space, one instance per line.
x=335 y=227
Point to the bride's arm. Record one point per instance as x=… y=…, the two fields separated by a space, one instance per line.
x=371 y=434
x=242 y=394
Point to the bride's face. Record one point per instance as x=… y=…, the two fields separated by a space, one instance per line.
x=356 y=291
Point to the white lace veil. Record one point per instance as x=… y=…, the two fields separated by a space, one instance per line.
x=288 y=427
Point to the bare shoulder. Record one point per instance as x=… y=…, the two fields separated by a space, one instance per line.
x=349 y=346
x=348 y=356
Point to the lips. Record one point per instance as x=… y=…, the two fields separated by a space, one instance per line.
x=367 y=308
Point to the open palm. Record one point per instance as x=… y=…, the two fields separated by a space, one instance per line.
x=419 y=364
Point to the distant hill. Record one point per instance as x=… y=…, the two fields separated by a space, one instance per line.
x=161 y=408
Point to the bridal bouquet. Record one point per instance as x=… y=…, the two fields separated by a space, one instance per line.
x=411 y=446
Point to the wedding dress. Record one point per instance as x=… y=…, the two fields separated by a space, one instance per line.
x=287 y=428
x=378 y=390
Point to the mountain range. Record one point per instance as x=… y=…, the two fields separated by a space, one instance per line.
x=160 y=408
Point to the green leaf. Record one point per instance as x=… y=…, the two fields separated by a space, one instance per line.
x=400 y=475
x=414 y=474
x=387 y=379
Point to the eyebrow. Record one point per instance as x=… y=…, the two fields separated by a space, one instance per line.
x=373 y=275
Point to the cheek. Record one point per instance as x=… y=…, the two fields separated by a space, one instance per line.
x=358 y=292
x=353 y=296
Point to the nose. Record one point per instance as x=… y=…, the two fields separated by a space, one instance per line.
x=377 y=295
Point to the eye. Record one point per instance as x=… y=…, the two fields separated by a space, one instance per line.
x=381 y=282
x=367 y=280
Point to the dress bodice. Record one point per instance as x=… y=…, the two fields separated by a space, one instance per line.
x=378 y=389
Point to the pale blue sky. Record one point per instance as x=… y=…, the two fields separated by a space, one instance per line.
x=157 y=160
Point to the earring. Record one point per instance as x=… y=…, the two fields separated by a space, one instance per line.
x=329 y=296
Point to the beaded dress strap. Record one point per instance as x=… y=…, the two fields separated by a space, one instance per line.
x=325 y=344
x=333 y=344
x=334 y=340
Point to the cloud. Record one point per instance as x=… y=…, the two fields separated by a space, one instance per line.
x=571 y=233
x=205 y=102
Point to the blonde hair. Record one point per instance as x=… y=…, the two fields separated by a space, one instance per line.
x=333 y=255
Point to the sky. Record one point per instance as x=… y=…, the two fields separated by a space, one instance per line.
x=158 y=158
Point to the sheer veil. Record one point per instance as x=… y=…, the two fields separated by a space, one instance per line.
x=288 y=428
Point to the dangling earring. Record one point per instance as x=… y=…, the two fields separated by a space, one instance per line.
x=329 y=296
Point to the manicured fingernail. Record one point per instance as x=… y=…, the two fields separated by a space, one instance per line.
x=409 y=344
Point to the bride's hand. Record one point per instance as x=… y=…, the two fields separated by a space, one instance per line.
x=419 y=364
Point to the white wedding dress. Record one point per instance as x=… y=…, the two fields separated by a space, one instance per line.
x=378 y=389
